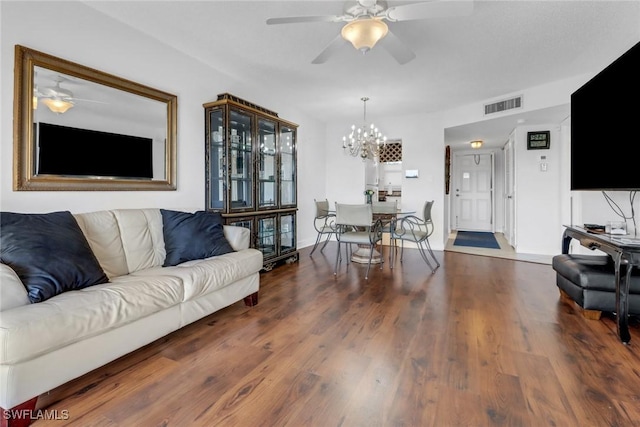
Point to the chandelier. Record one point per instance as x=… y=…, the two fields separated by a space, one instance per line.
x=365 y=141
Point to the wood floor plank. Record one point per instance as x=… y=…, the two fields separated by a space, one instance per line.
x=503 y=399
x=458 y=408
x=482 y=342
x=545 y=396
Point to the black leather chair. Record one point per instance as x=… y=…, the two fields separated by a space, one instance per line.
x=589 y=280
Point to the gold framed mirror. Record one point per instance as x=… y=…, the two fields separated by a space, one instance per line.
x=80 y=129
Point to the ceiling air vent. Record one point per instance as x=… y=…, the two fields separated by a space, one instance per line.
x=506 y=104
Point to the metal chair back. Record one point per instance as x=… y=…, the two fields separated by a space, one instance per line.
x=354 y=215
x=385 y=207
x=322 y=208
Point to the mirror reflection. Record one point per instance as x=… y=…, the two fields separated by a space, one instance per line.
x=82 y=129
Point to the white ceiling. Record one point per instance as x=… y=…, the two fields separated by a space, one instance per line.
x=502 y=47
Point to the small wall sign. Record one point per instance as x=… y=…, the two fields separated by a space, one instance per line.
x=540 y=140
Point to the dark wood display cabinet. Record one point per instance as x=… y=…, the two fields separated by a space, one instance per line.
x=250 y=162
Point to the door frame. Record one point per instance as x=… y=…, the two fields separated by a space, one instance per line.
x=509 y=193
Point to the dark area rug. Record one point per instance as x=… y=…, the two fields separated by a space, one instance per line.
x=476 y=239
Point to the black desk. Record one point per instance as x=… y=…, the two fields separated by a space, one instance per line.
x=624 y=251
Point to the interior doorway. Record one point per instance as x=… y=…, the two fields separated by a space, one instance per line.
x=388 y=173
x=473 y=205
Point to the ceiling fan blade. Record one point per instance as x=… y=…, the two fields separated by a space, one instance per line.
x=88 y=100
x=46 y=92
x=301 y=19
x=392 y=44
x=331 y=48
x=430 y=9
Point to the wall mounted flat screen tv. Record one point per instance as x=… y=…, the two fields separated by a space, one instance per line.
x=80 y=152
x=605 y=128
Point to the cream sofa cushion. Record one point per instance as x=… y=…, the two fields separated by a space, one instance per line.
x=32 y=330
x=238 y=237
x=142 y=238
x=103 y=234
x=200 y=277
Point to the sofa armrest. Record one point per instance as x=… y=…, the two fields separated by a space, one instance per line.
x=12 y=291
x=238 y=237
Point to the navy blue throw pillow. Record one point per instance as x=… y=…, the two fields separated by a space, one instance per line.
x=49 y=253
x=189 y=236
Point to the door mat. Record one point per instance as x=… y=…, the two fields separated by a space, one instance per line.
x=476 y=239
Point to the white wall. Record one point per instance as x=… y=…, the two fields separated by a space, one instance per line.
x=538 y=219
x=312 y=160
x=78 y=33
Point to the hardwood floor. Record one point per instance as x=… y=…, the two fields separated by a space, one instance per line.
x=482 y=342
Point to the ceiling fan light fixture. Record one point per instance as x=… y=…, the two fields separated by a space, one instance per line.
x=363 y=34
x=476 y=144
x=58 y=106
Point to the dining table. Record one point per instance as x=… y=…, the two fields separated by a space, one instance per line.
x=387 y=217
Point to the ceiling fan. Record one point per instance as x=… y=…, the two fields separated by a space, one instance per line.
x=365 y=24
x=58 y=99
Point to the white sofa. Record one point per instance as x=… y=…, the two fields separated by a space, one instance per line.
x=46 y=344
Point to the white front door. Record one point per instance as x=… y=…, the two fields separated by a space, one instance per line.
x=473 y=192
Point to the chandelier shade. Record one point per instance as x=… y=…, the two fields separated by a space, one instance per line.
x=365 y=141
x=364 y=33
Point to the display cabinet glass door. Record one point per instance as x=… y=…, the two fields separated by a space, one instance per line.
x=266 y=239
x=241 y=158
x=287 y=233
x=287 y=139
x=267 y=164
x=216 y=163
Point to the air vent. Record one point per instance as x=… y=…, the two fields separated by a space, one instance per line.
x=507 y=104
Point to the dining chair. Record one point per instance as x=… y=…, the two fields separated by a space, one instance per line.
x=415 y=230
x=385 y=207
x=386 y=212
x=324 y=223
x=354 y=224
